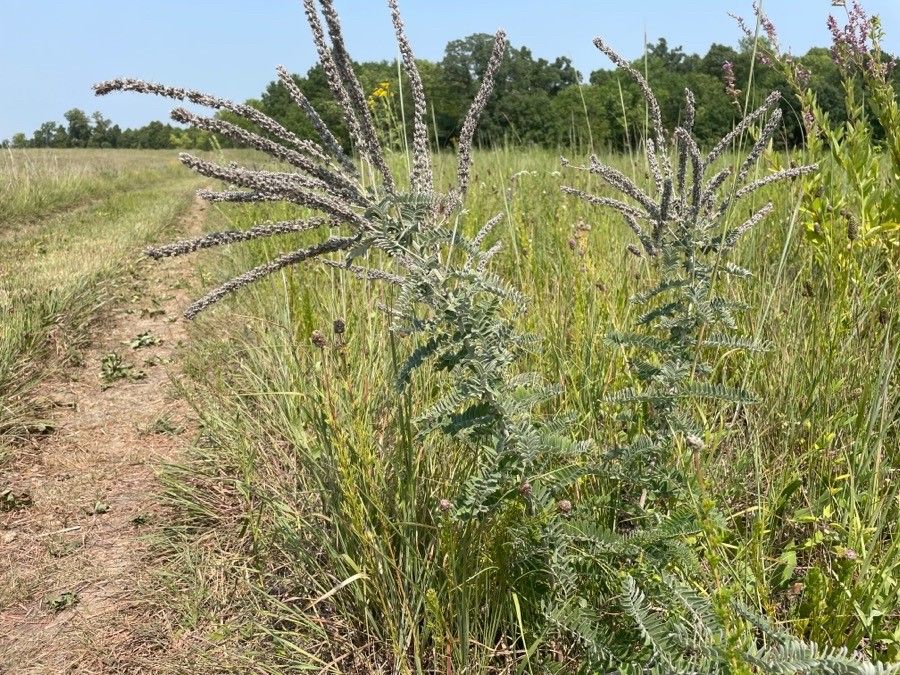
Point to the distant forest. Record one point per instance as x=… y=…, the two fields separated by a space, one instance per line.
x=536 y=102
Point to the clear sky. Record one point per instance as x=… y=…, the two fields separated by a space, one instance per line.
x=51 y=51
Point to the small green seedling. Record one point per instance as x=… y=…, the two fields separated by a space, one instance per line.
x=113 y=368
x=145 y=339
x=98 y=508
x=63 y=601
x=11 y=500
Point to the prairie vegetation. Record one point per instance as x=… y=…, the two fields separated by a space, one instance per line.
x=309 y=477
x=494 y=459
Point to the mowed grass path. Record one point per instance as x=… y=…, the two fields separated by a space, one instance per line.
x=79 y=452
x=71 y=222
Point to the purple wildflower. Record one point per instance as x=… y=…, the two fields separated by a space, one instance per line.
x=767 y=26
x=730 y=81
x=858 y=29
x=745 y=29
x=850 y=44
x=809 y=121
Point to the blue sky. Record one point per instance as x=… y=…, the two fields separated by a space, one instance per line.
x=51 y=51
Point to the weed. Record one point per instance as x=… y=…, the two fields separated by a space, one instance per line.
x=425 y=502
x=113 y=367
x=63 y=601
x=61 y=546
x=98 y=508
x=12 y=499
x=152 y=312
x=164 y=425
x=145 y=339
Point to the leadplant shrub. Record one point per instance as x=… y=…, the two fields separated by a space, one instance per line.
x=594 y=590
x=681 y=222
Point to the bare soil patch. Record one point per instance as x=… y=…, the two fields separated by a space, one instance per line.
x=76 y=505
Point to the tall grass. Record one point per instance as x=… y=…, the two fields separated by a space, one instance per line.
x=310 y=479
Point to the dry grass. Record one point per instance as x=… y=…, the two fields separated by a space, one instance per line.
x=56 y=266
x=77 y=553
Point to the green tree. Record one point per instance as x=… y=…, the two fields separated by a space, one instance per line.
x=536 y=100
x=520 y=108
x=155 y=135
x=79 y=128
x=49 y=135
x=100 y=132
x=114 y=135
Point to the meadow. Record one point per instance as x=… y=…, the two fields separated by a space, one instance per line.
x=308 y=488
x=72 y=222
x=805 y=481
x=257 y=558
x=498 y=461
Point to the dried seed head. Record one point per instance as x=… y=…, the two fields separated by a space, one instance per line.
x=695 y=442
x=634 y=250
x=324 y=177
x=467 y=132
x=852 y=225
x=564 y=506
x=339 y=326
x=318 y=339
x=445 y=505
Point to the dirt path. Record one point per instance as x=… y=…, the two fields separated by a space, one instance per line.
x=72 y=544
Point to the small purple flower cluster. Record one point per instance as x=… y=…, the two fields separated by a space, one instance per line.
x=767 y=26
x=850 y=43
x=731 y=82
x=772 y=49
x=855 y=46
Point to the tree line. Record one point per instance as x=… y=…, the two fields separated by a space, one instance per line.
x=95 y=131
x=536 y=101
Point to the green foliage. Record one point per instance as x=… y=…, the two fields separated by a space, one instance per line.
x=63 y=601
x=457 y=521
x=145 y=339
x=113 y=368
x=853 y=203
x=315 y=452
x=79 y=128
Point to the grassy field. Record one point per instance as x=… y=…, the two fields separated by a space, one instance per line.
x=307 y=534
x=310 y=488
x=72 y=222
